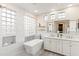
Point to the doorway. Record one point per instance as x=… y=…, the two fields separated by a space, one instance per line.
x=60 y=28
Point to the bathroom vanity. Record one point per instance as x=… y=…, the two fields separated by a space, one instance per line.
x=62 y=45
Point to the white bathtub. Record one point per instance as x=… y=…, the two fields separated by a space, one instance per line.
x=33 y=46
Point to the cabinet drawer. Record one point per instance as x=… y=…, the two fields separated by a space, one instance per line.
x=74 y=48
x=66 y=47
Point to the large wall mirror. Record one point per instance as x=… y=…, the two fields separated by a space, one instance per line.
x=63 y=26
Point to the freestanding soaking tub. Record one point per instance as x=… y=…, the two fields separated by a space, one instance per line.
x=34 y=46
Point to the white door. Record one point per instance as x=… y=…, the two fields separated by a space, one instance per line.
x=66 y=47
x=75 y=48
x=59 y=46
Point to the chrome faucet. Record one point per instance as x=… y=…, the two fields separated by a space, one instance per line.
x=59 y=34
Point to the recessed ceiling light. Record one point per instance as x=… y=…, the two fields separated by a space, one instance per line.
x=69 y=5
x=52 y=9
x=35 y=10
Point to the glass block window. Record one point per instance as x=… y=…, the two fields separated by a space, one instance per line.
x=61 y=15
x=29 y=25
x=52 y=16
x=8 y=18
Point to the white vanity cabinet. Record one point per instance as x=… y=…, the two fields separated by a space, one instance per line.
x=53 y=45
x=50 y=44
x=63 y=46
x=59 y=46
x=75 y=48
x=47 y=44
x=66 y=47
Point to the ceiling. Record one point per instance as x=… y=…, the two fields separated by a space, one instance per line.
x=42 y=7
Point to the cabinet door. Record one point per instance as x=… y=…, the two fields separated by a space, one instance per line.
x=53 y=45
x=59 y=46
x=47 y=44
x=75 y=48
x=66 y=47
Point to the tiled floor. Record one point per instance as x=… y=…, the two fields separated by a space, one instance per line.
x=41 y=53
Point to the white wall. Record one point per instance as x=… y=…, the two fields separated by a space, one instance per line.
x=72 y=13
